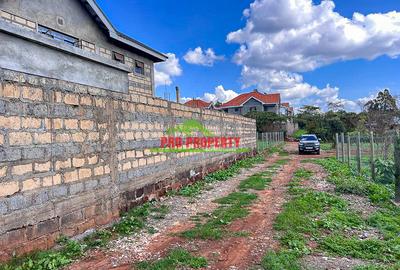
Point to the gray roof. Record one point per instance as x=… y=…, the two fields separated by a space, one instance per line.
x=119 y=38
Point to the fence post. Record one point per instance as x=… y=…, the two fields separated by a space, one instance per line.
x=342 y=139
x=397 y=167
x=337 y=146
x=359 y=152
x=348 y=150
x=372 y=155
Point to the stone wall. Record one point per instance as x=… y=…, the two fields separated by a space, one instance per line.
x=73 y=157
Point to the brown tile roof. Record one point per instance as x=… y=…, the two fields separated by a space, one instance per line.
x=264 y=98
x=197 y=103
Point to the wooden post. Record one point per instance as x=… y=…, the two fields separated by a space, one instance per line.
x=337 y=146
x=342 y=141
x=372 y=155
x=397 y=168
x=348 y=150
x=359 y=152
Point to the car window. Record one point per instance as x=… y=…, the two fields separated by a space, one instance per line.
x=309 y=138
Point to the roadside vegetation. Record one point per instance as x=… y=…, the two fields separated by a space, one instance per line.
x=176 y=259
x=314 y=222
x=213 y=226
x=131 y=222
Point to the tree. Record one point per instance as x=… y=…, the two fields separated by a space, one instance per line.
x=336 y=106
x=382 y=112
x=267 y=121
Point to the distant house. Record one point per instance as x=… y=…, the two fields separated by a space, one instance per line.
x=286 y=109
x=72 y=40
x=198 y=103
x=253 y=102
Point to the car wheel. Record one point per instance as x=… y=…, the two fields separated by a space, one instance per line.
x=319 y=152
x=300 y=152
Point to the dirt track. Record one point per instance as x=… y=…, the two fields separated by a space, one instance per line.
x=227 y=253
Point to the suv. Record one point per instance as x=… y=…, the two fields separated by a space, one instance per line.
x=309 y=143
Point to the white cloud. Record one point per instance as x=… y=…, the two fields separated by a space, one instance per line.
x=220 y=95
x=203 y=58
x=283 y=38
x=165 y=71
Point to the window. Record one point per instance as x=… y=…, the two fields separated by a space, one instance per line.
x=253 y=109
x=58 y=36
x=119 y=57
x=237 y=109
x=139 y=67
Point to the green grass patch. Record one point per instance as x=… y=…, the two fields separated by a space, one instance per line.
x=326 y=146
x=347 y=181
x=132 y=221
x=98 y=239
x=258 y=181
x=48 y=260
x=369 y=249
x=282 y=260
x=196 y=188
x=176 y=259
x=232 y=207
x=387 y=221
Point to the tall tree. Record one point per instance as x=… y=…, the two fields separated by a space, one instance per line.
x=382 y=112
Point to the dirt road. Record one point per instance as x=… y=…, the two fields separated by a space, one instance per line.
x=227 y=253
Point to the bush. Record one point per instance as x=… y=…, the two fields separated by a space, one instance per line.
x=384 y=171
x=299 y=133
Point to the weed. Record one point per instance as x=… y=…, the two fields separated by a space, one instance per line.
x=338 y=220
x=192 y=190
x=326 y=146
x=387 y=221
x=282 y=260
x=47 y=260
x=133 y=220
x=378 y=267
x=347 y=181
x=256 y=182
x=303 y=174
x=176 y=259
x=370 y=249
x=98 y=239
x=231 y=207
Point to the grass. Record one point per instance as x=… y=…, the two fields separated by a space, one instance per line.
x=48 y=260
x=131 y=222
x=258 y=181
x=323 y=218
x=212 y=226
x=326 y=146
x=176 y=259
x=232 y=207
x=282 y=260
x=369 y=249
x=347 y=181
x=196 y=188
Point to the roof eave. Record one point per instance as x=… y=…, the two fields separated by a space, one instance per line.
x=118 y=36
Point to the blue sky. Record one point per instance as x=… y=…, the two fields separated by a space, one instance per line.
x=177 y=26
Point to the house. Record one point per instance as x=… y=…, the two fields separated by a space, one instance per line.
x=287 y=110
x=253 y=101
x=198 y=103
x=72 y=40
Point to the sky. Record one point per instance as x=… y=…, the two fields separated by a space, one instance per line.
x=312 y=52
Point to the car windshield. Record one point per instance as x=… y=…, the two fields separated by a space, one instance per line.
x=309 y=138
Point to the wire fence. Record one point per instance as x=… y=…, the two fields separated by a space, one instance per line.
x=362 y=152
x=267 y=139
